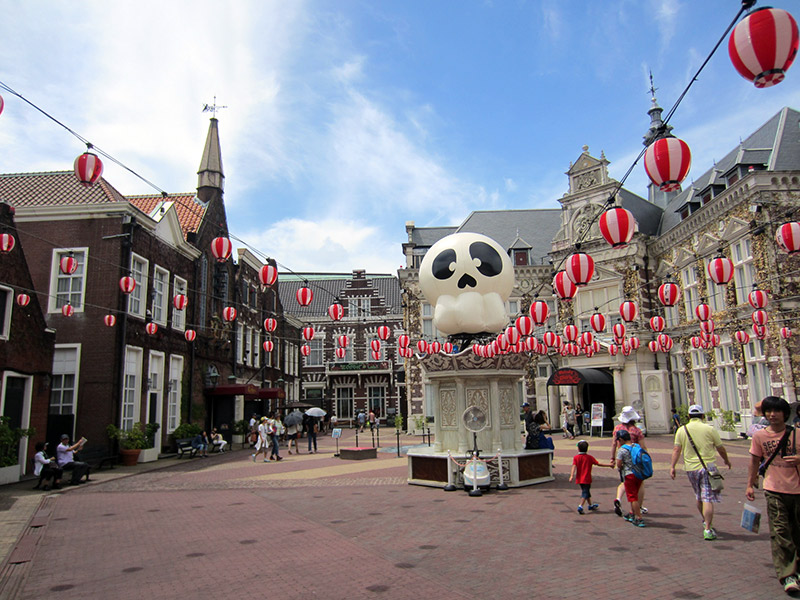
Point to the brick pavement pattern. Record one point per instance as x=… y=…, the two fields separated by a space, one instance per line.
x=316 y=526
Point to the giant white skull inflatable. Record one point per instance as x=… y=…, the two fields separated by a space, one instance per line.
x=467 y=277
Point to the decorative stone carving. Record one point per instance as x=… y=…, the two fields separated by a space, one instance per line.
x=447 y=408
x=507 y=408
x=480 y=397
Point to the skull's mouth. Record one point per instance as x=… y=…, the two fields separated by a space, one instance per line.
x=466 y=281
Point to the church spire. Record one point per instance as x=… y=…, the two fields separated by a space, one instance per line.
x=657 y=128
x=210 y=173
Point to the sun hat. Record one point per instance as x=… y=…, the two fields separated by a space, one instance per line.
x=628 y=414
x=696 y=410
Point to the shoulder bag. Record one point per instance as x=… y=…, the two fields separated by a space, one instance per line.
x=781 y=447
x=715 y=478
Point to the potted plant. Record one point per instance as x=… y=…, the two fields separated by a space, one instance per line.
x=131 y=442
x=10 y=438
x=150 y=453
x=727 y=425
x=240 y=428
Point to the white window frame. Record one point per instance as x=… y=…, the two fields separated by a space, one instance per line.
x=743 y=271
x=381 y=396
x=248 y=346
x=60 y=368
x=702 y=395
x=678 y=366
x=256 y=352
x=239 y=343
x=5 y=326
x=350 y=408
x=54 y=303
x=759 y=380
x=358 y=308
x=727 y=378
x=175 y=392
x=691 y=295
x=132 y=388
x=179 y=286
x=315 y=357
x=138 y=297
x=160 y=307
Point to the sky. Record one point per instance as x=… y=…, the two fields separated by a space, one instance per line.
x=345 y=119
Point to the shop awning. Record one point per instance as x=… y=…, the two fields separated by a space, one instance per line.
x=249 y=391
x=569 y=376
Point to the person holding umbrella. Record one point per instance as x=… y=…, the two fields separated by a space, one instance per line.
x=313 y=427
x=292 y=422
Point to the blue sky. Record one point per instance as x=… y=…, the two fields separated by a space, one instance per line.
x=348 y=118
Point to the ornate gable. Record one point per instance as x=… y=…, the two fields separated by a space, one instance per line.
x=587 y=172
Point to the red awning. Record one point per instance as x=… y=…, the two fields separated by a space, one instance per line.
x=245 y=389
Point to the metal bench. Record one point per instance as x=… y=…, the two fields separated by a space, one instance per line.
x=185 y=447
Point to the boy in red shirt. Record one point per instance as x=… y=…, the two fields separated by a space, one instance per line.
x=582 y=474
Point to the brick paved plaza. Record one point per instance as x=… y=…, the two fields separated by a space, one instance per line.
x=314 y=526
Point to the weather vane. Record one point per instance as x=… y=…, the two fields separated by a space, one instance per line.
x=213 y=108
x=652 y=89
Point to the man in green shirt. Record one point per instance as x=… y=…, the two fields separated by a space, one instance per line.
x=706 y=440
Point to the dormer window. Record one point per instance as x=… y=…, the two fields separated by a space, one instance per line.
x=521 y=258
x=685 y=213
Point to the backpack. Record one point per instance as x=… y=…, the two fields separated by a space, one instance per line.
x=642 y=463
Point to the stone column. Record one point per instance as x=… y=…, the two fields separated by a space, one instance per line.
x=437 y=417
x=494 y=403
x=461 y=399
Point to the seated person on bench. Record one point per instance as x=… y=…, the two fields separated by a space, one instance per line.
x=66 y=460
x=200 y=444
x=216 y=440
x=45 y=468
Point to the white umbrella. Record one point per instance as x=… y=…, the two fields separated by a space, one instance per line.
x=316 y=411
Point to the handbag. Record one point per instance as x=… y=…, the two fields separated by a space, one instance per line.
x=715 y=478
x=781 y=447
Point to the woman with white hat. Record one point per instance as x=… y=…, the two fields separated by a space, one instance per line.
x=627 y=422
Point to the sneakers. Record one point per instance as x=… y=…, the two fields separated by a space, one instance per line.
x=617 y=508
x=791 y=584
x=278 y=458
x=644 y=510
x=593 y=506
x=638 y=522
x=629 y=517
x=254 y=457
x=710 y=534
x=580 y=510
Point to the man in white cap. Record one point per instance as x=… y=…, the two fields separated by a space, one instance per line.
x=702 y=451
x=627 y=422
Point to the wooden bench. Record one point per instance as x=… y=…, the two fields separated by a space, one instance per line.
x=185 y=447
x=96 y=457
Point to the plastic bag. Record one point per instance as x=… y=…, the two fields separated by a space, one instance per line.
x=751 y=517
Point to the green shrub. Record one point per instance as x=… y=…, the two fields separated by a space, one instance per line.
x=398 y=421
x=135 y=439
x=9 y=442
x=186 y=430
x=150 y=431
x=683 y=413
x=728 y=422
x=240 y=427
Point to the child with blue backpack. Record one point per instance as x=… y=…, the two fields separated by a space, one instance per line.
x=635 y=466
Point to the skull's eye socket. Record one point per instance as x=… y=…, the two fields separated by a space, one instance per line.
x=444 y=265
x=486 y=259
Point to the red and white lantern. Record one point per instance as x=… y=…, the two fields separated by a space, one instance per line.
x=665 y=342
x=634 y=342
x=384 y=332
x=343 y=341
x=617 y=226
x=742 y=337
x=68 y=265
x=422 y=347
x=598 y=322
x=628 y=311
x=341 y=353
x=501 y=342
x=512 y=335
x=127 y=285
x=760 y=331
x=477 y=349
x=375 y=345
x=403 y=341
x=336 y=311
x=787 y=236
x=2 y=105
x=697 y=342
x=714 y=340
x=180 y=301
x=304 y=296
x=539 y=312
x=524 y=325
x=221 y=248
x=268 y=346
x=110 y=320
x=376 y=355
x=657 y=324
x=305 y=349
x=308 y=333
x=667 y=162
x=434 y=347
x=447 y=348
x=23 y=299
x=270 y=324
x=579 y=267
x=703 y=311
x=563 y=287
x=720 y=270
x=763 y=46
x=613 y=349
x=653 y=345
x=67 y=310
x=759 y=317
x=229 y=314
x=190 y=335
x=571 y=332
x=786 y=333
x=669 y=293
x=707 y=327
x=587 y=338
x=151 y=328
x=7 y=242
x=88 y=168
x=758 y=299
x=619 y=330
x=551 y=339
x=268 y=275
